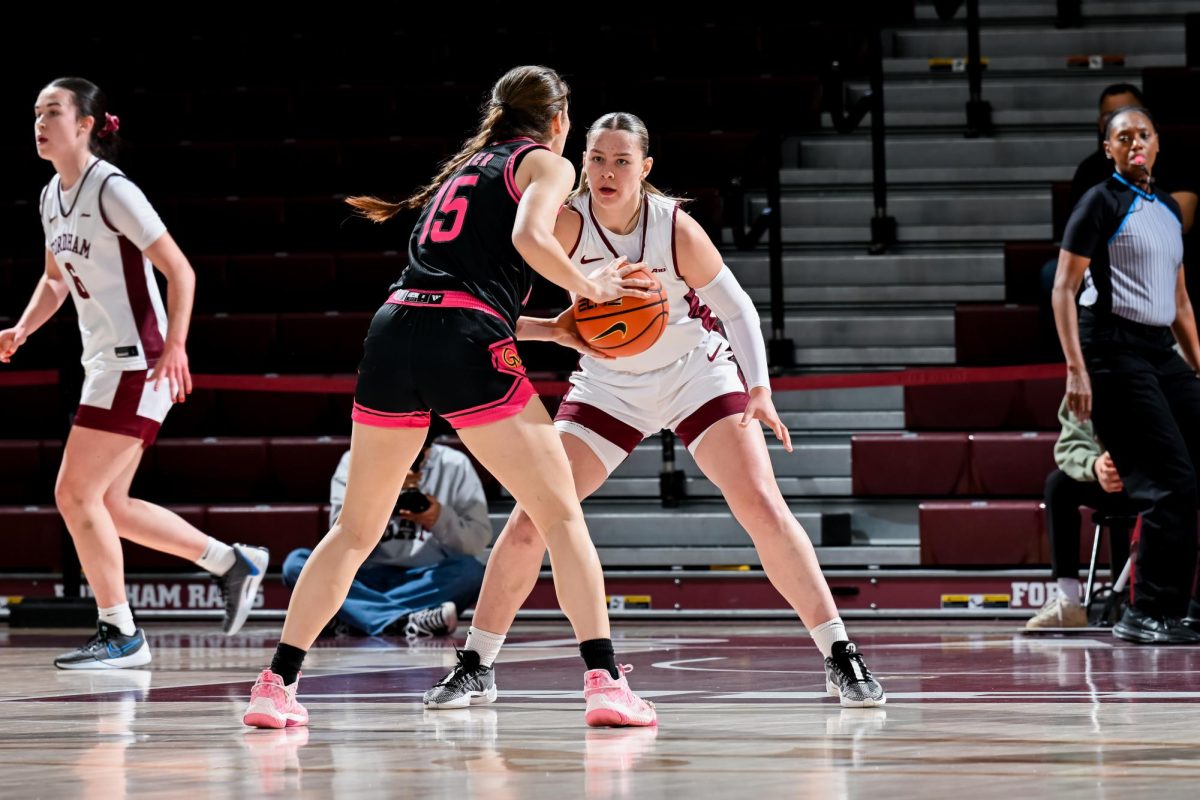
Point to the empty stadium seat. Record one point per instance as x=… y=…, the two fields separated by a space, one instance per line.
x=282 y=413
x=988 y=335
x=909 y=464
x=1023 y=264
x=1011 y=464
x=281 y=528
x=232 y=343
x=994 y=405
x=280 y=282
x=210 y=469
x=362 y=279
x=301 y=468
x=983 y=533
x=32 y=537
x=21 y=475
x=322 y=343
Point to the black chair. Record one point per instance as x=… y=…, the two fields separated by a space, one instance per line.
x=1105 y=606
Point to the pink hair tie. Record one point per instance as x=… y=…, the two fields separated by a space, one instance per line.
x=112 y=124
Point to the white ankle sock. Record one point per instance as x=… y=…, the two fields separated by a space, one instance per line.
x=1069 y=588
x=827 y=633
x=217 y=557
x=484 y=643
x=120 y=617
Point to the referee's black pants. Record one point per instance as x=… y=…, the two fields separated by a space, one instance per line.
x=1146 y=410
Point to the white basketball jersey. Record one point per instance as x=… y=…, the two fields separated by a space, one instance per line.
x=652 y=242
x=121 y=315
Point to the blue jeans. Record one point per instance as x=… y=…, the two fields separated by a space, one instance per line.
x=381 y=595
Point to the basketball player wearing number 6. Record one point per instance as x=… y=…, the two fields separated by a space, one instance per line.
x=102 y=240
x=688 y=382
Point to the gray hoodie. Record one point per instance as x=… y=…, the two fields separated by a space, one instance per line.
x=462 y=528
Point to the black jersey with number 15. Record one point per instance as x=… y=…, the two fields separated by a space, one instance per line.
x=463 y=240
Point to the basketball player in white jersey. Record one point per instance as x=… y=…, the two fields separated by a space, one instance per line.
x=688 y=382
x=102 y=237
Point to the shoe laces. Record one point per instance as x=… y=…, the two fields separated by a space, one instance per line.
x=223 y=584
x=100 y=636
x=460 y=673
x=427 y=619
x=851 y=654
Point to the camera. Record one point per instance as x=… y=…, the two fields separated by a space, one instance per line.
x=413 y=500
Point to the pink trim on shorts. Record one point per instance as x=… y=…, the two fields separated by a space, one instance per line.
x=430 y=298
x=709 y=414
x=389 y=419
x=601 y=423
x=510 y=405
x=122 y=418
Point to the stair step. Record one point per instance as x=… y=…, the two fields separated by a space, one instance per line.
x=915 y=234
x=852 y=152
x=944 y=209
x=1020 y=40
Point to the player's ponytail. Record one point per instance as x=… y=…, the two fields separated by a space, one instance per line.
x=90 y=101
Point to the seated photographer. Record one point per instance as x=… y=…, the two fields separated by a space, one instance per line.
x=424 y=569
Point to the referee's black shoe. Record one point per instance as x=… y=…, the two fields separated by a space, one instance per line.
x=1141 y=628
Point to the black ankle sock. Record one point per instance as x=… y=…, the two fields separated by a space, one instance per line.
x=287 y=661
x=598 y=654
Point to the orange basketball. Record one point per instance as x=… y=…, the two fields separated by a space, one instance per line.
x=627 y=326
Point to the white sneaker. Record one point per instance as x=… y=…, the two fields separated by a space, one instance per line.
x=239 y=586
x=1059 y=612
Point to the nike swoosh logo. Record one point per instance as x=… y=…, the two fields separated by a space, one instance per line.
x=586 y=260
x=714 y=352
x=617 y=326
x=115 y=651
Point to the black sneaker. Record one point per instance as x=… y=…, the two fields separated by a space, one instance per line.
x=1141 y=628
x=468 y=684
x=108 y=649
x=239 y=586
x=437 y=621
x=847 y=678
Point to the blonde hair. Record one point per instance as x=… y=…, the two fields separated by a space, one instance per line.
x=632 y=124
x=523 y=103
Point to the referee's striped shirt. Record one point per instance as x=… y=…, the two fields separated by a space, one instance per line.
x=1135 y=242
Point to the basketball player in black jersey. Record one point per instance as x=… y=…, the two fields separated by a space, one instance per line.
x=445 y=341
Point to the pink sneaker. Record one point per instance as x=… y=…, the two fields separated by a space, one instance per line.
x=273 y=705
x=612 y=703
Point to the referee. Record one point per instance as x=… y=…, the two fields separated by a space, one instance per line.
x=1124 y=244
